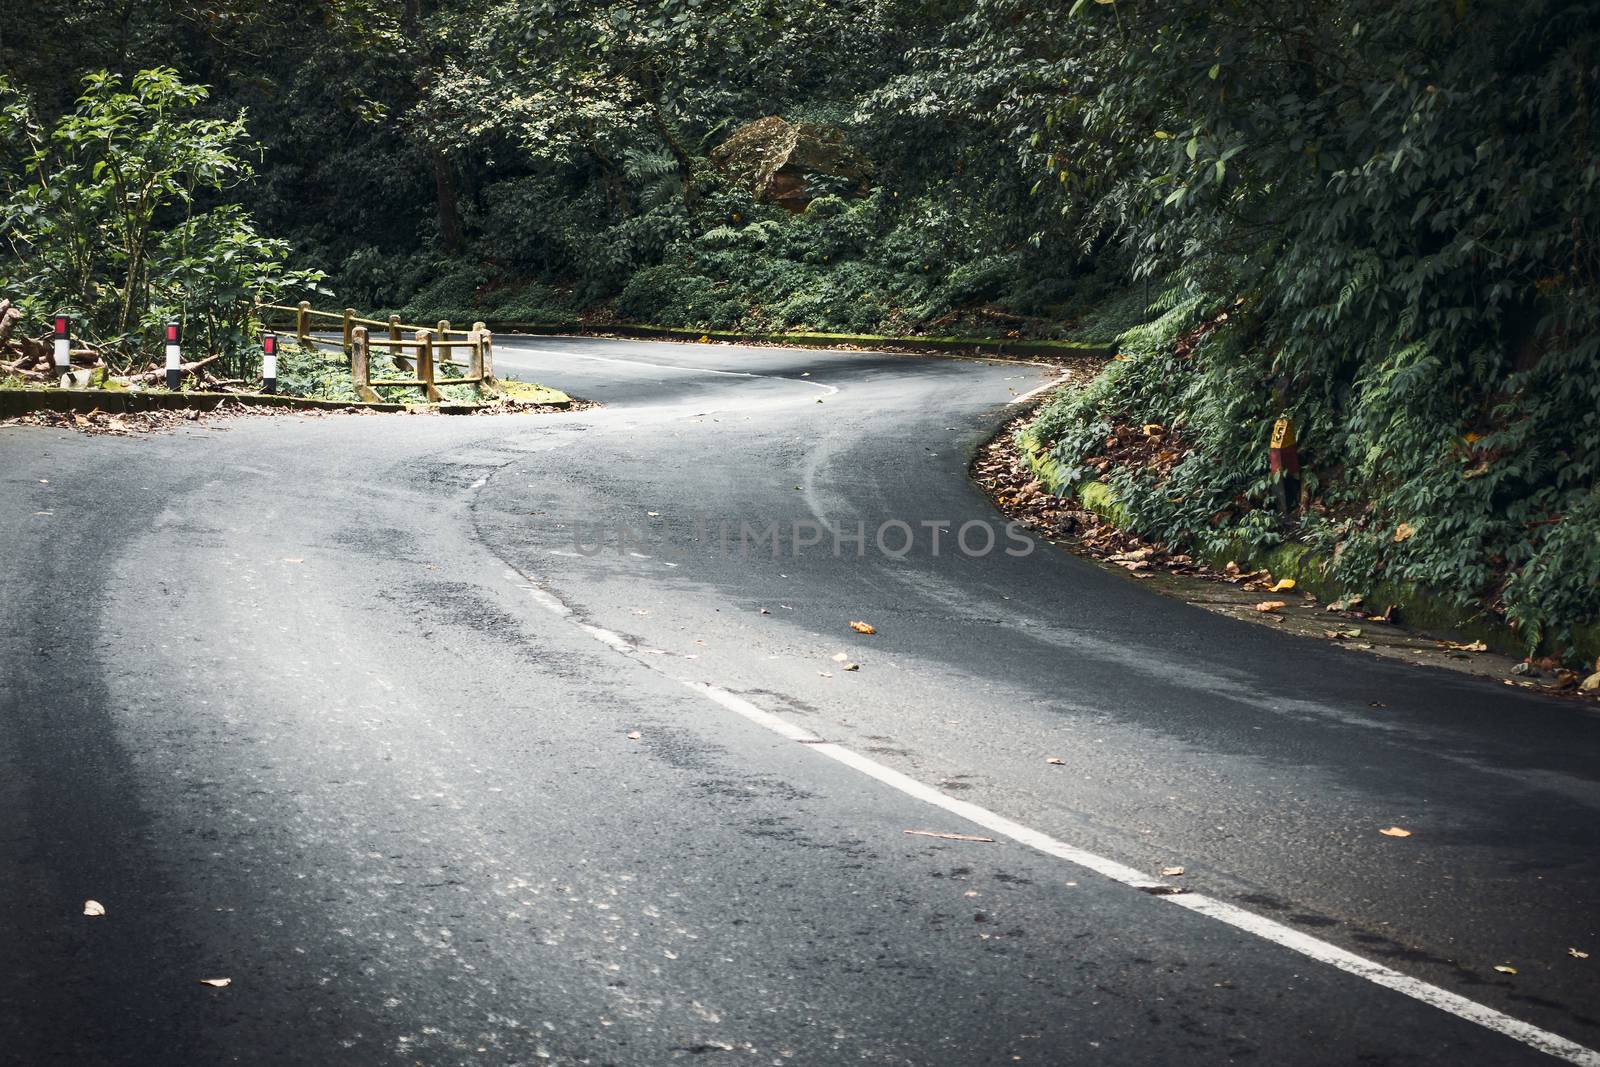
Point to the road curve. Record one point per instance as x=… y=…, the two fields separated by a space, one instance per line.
x=474 y=741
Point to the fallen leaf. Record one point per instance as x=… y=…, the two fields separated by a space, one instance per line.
x=764 y=611
x=218 y=983
x=951 y=837
x=840 y=657
x=1281 y=584
x=1592 y=683
x=634 y=735
x=294 y=559
x=863 y=627
x=1270 y=605
x=1395 y=831
x=93 y=907
x=653 y=514
x=1577 y=954
x=1056 y=761
x=1403 y=532
x=852 y=666
x=1171 y=872
x=1504 y=969
x=826 y=674
x=1470 y=646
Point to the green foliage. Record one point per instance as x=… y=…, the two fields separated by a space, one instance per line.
x=1394 y=204
x=104 y=215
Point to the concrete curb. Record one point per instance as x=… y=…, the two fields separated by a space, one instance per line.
x=15 y=402
x=1419 y=608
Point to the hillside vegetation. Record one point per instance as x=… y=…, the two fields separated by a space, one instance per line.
x=1377 y=217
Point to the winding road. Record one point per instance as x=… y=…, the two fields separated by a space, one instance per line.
x=528 y=739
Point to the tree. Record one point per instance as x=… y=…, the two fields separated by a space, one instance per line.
x=105 y=216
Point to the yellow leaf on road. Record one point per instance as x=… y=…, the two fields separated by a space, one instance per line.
x=863 y=627
x=1395 y=831
x=93 y=907
x=1503 y=969
x=1577 y=954
x=1270 y=605
x=1282 y=584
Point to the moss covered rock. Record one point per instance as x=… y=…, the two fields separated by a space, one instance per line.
x=779 y=162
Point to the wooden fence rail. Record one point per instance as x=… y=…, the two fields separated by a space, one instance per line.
x=427 y=346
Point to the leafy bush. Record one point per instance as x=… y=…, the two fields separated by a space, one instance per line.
x=104 y=218
x=1388 y=237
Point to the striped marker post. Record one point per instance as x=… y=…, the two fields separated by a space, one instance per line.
x=269 y=363
x=63 y=350
x=174 y=358
x=1284 y=457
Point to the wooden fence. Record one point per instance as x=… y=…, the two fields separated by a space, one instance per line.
x=421 y=354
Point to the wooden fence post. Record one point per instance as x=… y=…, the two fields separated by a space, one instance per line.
x=485 y=351
x=349 y=324
x=475 y=356
x=302 y=323
x=425 y=358
x=397 y=353
x=360 y=359
x=425 y=365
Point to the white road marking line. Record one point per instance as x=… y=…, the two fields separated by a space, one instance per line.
x=1245 y=921
x=1334 y=956
x=1031 y=393
x=1238 y=918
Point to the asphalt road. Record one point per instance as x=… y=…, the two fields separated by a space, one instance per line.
x=474 y=740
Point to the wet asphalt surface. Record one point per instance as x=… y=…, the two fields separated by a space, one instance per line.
x=288 y=697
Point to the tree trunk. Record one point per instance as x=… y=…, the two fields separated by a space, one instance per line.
x=444 y=187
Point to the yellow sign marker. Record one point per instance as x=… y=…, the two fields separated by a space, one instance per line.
x=1283 y=434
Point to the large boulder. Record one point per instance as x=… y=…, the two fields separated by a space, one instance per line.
x=775 y=160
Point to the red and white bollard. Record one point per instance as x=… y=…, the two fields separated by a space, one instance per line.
x=174 y=358
x=63 y=351
x=269 y=363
